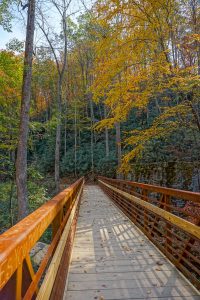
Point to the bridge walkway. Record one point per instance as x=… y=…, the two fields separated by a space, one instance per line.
x=113 y=259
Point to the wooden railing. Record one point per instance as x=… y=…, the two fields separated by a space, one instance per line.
x=17 y=277
x=170 y=218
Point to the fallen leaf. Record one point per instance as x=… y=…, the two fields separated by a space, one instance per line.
x=154 y=284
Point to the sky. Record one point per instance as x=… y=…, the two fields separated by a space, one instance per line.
x=17 y=32
x=18 y=28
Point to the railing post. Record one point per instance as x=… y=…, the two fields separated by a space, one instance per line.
x=145 y=198
x=19 y=283
x=57 y=222
x=167 y=200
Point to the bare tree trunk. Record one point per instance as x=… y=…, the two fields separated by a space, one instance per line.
x=65 y=138
x=58 y=137
x=92 y=135
x=106 y=134
x=196 y=28
x=57 y=158
x=107 y=142
x=61 y=67
x=92 y=149
x=21 y=161
x=10 y=201
x=75 y=140
x=118 y=143
x=65 y=130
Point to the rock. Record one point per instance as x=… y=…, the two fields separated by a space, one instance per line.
x=38 y=252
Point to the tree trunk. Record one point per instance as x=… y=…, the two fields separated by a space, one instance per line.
x=107 y=142
x=58 y=138
x=75 y=140
x=10 y=202
x=21 y=161
x=92 y=149
x=118 y=143
x=61 y=70
x=92 y=137
x=106 y=134
x=196 y=29
x=65 y=139
x=65 y=132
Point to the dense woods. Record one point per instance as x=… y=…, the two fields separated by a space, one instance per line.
x=114 y=92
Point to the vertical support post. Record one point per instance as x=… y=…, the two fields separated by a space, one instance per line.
x=156 y=218
x=187 y=247
x=19 y=283
x=145 y=198
x=167 y=201
x=57 y=222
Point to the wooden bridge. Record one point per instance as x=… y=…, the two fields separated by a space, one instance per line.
x=115 y=240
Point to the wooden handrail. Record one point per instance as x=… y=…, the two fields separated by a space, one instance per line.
x=153 y=209
x=17 y=242
x=179 y=222
x=185 y=195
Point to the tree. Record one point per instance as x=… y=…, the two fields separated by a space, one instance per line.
x=10 y=86
x=21 y=161
x=5 y=14
x=153 y=58
x=54 y=39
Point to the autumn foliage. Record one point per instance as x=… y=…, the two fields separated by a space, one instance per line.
x=147 y=52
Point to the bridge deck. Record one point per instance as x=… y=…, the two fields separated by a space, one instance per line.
x=112 y=259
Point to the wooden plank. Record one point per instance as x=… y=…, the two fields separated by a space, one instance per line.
x=62 y=273
x=85 y=256
x=147 y=275
x=123 y=262
x=112 y=259
x=125 y=268
x=113 y=252
x=134 y=293
x=125 y=284
x=179 y=222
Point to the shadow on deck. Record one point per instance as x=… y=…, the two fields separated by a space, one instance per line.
x=113 y=259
